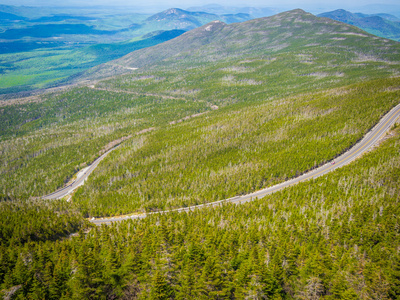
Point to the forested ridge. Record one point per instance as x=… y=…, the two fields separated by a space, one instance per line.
x=286 y=94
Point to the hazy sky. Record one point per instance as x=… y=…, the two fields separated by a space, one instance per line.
x=158 y=5
x=187 y=3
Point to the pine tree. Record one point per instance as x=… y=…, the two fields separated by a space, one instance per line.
x=160 y=289
x=187 y=282
x=212 y=284
x=22 y=274
x=271 y=287
x=394 y=291
x=88 y=282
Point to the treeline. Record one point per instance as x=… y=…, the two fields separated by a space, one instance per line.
x=231 y=152
x=336 y=237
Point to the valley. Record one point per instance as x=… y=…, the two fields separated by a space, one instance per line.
x=42 y=51
x=257 y=109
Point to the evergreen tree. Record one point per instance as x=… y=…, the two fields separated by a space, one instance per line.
x=211 y=280
x=160 y=290
x=394 y=291
x=88 y=281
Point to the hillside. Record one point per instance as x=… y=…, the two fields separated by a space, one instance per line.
x=176 y=18
x=45 y=50
x=334 y=238
x=271 y=36
x=219 y=111
x=383 y=25
x=233 y=67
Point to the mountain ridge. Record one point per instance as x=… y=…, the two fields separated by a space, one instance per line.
x=268 y=35
x=176 y=18
x=383 y=25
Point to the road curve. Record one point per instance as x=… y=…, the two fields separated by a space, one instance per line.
x=370 y=139
x=79 y=181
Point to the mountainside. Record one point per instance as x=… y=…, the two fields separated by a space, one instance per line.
x=218 y=112
x=175 y=18
x=34 y=48
x=216 y=65
x=290 y=31
x=255 y=12
x=187 y=42
x=9 y=17
x=384 y=25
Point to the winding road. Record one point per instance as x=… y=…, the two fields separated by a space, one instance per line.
x=61 y=193
x=366 y=143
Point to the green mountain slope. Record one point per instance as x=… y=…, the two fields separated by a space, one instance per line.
x=239 y=68
x=382 y=25
x=283 y=33
x=43 y=43
x=336 y=237
x=237 y=108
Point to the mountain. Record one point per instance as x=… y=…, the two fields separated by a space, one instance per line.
x=175 y=18
x=295 y=31
x=90 y=36
x=383 y=25
x=9 y=17
x=219 y=112
x=255 y=12
x=382 y=15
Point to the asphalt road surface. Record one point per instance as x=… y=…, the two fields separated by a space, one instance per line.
x=369 y=140
x=78 y=182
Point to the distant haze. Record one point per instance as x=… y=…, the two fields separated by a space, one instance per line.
x=152 y=6
x=187 y=3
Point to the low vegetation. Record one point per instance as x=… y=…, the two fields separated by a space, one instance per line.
x=57 y=63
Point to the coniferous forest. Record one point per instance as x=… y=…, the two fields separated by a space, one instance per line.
x=336 y=237
x=250 y=105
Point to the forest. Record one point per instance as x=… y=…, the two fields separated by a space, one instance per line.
x=219 y=113
x=335 y=237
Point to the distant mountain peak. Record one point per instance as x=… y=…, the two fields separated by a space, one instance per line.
x=214 y=25
x=297 y=11
x=173 y=11
x=266 y=36
x=383 y=25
